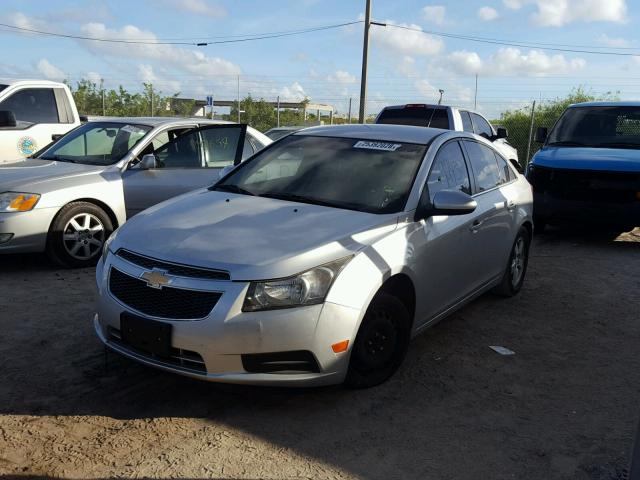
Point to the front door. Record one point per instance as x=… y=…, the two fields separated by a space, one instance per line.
x=186 y=159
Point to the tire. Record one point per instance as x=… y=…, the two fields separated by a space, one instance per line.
x=386 y=325
x=77 y=235
x=516 y=269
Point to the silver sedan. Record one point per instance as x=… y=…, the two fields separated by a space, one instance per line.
x=70 y=197
x=317 y=260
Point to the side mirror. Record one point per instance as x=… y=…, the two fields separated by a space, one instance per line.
x=517 y=165
x=56 y=136
x=7 y=119
x=541 y=134
x=501 y=132
x=447 y=202
x=148 y=161
x=225 y=170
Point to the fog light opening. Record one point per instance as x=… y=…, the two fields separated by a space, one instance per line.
x=340 y=346
x=5 y=237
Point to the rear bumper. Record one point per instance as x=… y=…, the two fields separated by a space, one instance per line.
x=553 y=208
x=29 y=230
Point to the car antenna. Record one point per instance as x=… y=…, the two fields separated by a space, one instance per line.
x=433 y=111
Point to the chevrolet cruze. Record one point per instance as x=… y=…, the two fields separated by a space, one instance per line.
x=318 y=259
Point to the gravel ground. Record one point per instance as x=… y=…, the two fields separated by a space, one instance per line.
x=565 y=406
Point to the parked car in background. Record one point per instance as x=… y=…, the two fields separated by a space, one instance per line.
x=450 y=118
x=279 y=132
x=69 y=199
x=32 y=114
x=588 y=168
x=318 y=259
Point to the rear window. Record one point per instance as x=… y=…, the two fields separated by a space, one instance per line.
x=2 y=87
x=416 y=116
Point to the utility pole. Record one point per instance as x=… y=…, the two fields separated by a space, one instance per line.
x=238 y=98
x=103 y=104
x=349 y=110
x=365 y=59
x=475 y=97
x=278 y=112
x=151 y=89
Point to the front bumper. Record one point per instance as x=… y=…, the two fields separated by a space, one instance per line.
x=220 y=340
x=550 y=208
x=29 y=230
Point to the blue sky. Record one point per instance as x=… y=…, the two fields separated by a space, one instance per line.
x=405 y=65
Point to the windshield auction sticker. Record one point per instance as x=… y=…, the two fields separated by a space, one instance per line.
x=388 y=147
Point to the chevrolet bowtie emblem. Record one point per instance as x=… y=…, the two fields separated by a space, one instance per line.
x=156 y=278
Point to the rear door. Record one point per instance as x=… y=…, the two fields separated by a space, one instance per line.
x=493 y=224
x=40 y=113
x=187 y=159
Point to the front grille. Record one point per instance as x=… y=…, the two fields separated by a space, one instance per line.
x=173 y=268
x=297 y=361
x=168 y=302
x=587 y=185
x=179 y=358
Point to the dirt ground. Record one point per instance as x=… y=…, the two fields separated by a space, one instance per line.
x=565 y=406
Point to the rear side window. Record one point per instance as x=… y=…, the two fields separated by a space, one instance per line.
x=467 y=126
x=416 y=116
x=484 y=166
x=449 y=171
x=33 y=105
x=482 y=127
x=506 y=174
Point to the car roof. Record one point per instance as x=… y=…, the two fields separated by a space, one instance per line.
x=156 y=121
x=383 y=132
x=28 y=81
x=430 y=105
x=605 y=104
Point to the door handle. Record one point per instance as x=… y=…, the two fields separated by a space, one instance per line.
x=475 y=226
x=511 y=205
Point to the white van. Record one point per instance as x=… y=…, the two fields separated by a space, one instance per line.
x=32 y=114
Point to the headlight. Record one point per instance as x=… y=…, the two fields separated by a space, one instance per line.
x=17 y=201
x=307 y=288
x=107 y=244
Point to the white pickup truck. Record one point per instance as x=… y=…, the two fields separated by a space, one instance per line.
x=32 y=114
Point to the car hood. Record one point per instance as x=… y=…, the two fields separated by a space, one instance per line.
x=577 y=158
x=35 y=171
x=251 y=237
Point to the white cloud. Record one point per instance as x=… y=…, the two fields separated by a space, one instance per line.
x=94 y=77
x=292 y=93
x=556 y=13
x=409 y=42
x=190 y=60
x=407 y=66
x=146 y=74
x=341 y=77
x=19 y=19
x=49 y=71
x=512 y=61
x=434 y=14
x=300 y=57
x=613 y=42
x=487 y=14
x=197 y=7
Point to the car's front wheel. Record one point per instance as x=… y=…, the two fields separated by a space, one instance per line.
x=513 y=277
x=77 y=235
x=381 y=342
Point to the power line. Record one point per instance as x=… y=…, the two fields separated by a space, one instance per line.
x=508 y=43
x=246 y=38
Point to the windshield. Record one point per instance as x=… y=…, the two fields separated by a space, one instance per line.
x=364 y=175
x=614 y=127
x=276 y=134
x=96 y=143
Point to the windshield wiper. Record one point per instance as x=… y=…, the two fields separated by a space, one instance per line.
x=567 y=143
x=59 y=158
x=314 y=201
x=231 y=189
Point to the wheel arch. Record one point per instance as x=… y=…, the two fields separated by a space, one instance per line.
x=110 y=213
x=402 y=287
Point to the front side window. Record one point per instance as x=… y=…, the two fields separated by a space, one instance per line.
x=467 y=126
x=181 y=151
x=482 y=127
x=613 y=127
x=484 y=166
x=449 y=171
x=350 y=173
x=32 y=105
x=221 y=145
x=96 y=143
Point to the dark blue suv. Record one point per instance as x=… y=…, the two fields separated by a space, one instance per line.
x=589 y=166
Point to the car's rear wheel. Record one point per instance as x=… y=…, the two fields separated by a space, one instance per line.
x=381 y=343
x=514 y=274
x=77 y=235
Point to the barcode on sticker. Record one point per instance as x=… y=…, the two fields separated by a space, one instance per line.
x=388 y=147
